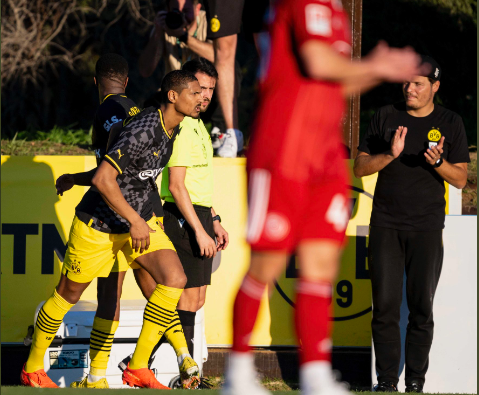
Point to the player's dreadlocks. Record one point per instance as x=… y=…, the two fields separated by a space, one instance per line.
x=176 y=80
x=112 y=66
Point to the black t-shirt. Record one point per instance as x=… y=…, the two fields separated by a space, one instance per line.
x=409 y=193
x=139 y=153
x=114 y=108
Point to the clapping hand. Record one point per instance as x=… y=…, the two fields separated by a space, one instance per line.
x=398 y=141
x=434 y=154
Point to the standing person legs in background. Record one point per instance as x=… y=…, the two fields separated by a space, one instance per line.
x=224 y=23
x=420 y=254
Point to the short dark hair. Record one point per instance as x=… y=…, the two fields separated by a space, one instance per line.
x=112 y=66
x=176 y=80
x=201 y=65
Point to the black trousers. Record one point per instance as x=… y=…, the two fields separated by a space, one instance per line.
x=390 y=253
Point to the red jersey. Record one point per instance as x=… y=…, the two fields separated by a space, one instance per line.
x=298 y=120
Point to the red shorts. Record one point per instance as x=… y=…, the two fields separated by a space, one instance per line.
x=282 y=212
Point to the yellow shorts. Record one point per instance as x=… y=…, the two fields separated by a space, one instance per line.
x=92 y=253
x=121 y=263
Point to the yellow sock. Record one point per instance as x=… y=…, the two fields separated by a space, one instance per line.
x=49 y=320
x=175 y=336
x=159 y=312
x=101 y=340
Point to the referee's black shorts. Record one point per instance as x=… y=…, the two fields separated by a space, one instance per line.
x=197 y=268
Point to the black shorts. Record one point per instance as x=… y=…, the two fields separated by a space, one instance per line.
x=254 y=14
x=197 y=268
x=224 y=17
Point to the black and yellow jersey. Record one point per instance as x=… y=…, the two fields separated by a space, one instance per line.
x=139 y=153
x=113 y=108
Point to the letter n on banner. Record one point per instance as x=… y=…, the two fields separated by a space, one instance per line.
x=51 y=241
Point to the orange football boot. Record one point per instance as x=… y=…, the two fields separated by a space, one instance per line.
x=143 y=378
x=37 y=379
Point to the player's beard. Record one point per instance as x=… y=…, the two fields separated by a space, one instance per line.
x=203 y=109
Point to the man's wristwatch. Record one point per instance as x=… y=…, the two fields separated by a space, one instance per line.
x=438 y=163
x=217 y=218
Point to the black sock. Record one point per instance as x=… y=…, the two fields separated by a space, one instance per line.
x=187 y=319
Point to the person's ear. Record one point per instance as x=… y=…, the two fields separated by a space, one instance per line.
x=94 y=80
x=435 y=86
x=172 y=96
x=126 y=82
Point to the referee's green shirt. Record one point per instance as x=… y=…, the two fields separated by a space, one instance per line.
x=192 y=149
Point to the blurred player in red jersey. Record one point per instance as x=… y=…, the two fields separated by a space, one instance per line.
x=298 y=179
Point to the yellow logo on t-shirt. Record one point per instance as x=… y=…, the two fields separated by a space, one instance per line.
x=133 y=111
x=434 y=135
x=215 y=24
x=120 y=154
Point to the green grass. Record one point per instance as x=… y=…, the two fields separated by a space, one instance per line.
x=59 y=135
x=17 y=147
x=57 y=141
x=74 y=391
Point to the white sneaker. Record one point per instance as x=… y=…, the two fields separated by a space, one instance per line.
x=216 y=137
x=317 y=378
x=229 y=146
x=241 y=378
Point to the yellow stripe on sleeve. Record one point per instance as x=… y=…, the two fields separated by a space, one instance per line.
x=114 y=163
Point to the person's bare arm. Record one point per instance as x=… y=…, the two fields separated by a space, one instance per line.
x=153 y=51
x=66 y=181
x=365 y=164
x=453 y=173
x=382 y=64
x=105 y=182
x=183 y=202
x=204 y=49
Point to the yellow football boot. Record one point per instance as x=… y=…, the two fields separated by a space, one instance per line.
x=189 y=374
x=102 y=383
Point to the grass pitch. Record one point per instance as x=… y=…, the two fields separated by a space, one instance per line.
x=73 y=391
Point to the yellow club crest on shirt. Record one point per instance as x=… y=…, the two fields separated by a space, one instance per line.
x=434 y=135
x=215 y=24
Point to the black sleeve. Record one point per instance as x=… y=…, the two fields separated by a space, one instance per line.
x=109 y=113
x=459 y=151
x=372 y=142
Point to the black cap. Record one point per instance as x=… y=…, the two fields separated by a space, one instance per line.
x=436 y=71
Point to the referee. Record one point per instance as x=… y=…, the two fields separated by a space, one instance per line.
x=187 y=188
x=415 y=146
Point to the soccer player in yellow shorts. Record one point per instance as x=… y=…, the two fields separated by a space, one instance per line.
x=116 y=215
x=111 y=79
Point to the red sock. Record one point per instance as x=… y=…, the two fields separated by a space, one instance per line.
x=245 y=311
x=312 y=320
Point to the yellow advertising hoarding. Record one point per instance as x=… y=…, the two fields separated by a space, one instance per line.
x=36 y=222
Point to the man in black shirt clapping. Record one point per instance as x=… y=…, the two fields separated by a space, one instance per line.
x=415 y=146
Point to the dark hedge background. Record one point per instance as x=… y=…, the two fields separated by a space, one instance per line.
x=66 y=96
